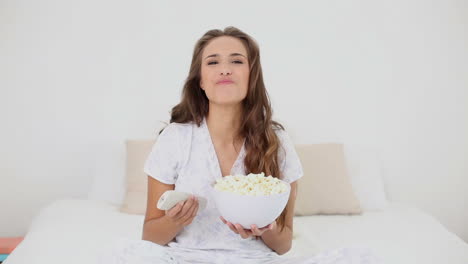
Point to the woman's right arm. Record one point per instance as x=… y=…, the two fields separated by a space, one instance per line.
x=161 y=227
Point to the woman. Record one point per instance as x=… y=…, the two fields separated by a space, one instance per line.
x=225 y=113
x=222 y=126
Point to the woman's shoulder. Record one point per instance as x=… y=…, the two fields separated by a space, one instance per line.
x=178 y=130
x=280 y=131
x=180 y=126
x=284 y=138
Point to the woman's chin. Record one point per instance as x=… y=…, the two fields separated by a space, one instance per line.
x=227 y=102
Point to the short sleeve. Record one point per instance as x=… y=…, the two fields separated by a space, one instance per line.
x=164 y=159
x=290 y=164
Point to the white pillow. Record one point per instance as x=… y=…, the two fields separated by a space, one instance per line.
x=365 y=170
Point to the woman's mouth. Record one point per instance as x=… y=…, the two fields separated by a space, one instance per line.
x=225 y=82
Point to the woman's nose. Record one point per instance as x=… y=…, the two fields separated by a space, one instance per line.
x=226 y=71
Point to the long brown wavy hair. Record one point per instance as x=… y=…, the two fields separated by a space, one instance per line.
x=257 y=127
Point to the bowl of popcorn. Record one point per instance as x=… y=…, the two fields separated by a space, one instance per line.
x=251 y=199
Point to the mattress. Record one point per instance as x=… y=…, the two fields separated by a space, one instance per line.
x=76 y=231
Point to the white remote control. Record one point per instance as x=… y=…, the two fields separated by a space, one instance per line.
x=170 y=198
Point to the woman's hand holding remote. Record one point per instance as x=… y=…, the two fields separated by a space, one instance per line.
x=184 y=212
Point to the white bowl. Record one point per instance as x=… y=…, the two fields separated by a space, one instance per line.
x=248 y=210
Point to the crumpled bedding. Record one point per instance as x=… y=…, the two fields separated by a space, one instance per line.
x=76 y=231
x=126 y=251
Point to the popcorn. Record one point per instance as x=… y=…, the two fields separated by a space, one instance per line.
x=252 y=184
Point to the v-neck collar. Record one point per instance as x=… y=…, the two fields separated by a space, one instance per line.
x=214 y=161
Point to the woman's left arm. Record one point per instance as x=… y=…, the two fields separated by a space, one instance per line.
x=281 y=242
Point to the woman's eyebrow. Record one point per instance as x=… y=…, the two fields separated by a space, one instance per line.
x=232 y=55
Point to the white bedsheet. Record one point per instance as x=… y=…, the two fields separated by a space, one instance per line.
x=77 y=231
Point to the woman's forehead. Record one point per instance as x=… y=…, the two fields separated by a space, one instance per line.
x=224 y=46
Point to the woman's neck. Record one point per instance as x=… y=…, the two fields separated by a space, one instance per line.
x=224 y=123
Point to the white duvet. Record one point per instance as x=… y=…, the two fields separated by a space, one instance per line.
x=78 y=231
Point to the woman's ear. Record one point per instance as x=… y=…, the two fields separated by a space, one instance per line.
x=201 y=84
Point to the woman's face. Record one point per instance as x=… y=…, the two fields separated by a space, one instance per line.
x=225 y=71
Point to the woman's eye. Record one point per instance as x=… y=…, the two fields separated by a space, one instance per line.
x=215 y=62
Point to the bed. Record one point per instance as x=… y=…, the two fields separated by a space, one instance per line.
x=76 y=231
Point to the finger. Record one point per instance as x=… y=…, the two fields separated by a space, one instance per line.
x=229 y=224
x=268 y=227
x=174 y=210
x=273 y=226
x=186 y=207
x=195 y=211
x=256 y=231
x=232 y=227
x=180 y=214
x=189 y=220
x=195 y=207
x=241 y=231
x=190 y=213
x=261 y=231
x=222 y=219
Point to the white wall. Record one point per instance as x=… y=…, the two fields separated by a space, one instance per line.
x=78 y=78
